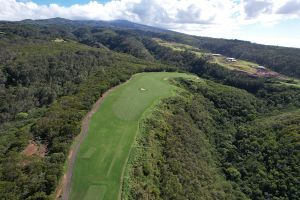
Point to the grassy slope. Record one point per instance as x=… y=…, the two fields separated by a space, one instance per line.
x=103 y=155
x=221 y=60
x=294 y=83
x=240 y=65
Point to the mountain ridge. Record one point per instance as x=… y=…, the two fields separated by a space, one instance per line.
x=117 y=23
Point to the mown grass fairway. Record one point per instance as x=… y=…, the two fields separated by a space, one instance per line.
x=102 y=156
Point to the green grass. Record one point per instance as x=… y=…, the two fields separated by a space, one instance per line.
x=103 y=155
x=178 y=46
x=240 y=65
x=287 y=81
x=297 y=85
x=293 y=82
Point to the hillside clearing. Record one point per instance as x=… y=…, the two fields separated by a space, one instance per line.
x=239 y=65
x=35 y=149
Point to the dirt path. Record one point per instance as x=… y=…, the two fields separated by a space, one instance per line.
x=64 y=188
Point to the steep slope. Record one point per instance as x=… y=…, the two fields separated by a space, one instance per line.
x=216 y=142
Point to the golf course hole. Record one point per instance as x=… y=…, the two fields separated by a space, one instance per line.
x=112 y=132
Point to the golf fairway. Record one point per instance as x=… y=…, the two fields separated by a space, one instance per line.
x=102 y=157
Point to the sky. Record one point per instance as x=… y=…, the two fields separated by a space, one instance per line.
x=274 y=22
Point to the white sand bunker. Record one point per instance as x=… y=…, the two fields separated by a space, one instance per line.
x=142 y=89
x=165 y=79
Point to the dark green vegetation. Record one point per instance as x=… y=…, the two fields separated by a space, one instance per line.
x=131 y=38
x=52 y=71
x=55 y=84
x=216 y=142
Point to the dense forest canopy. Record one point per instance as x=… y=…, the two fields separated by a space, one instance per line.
x=216 y=142
x=236 y=133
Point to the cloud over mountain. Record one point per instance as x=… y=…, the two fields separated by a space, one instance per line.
x=154 y=11
x=205 y=17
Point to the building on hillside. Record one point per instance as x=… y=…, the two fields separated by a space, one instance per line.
x=260 y=67
x=231 y=60
x=216 y=54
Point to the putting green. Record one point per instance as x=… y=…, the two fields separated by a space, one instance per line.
x=102 y=156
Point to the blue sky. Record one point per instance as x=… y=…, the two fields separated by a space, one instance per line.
x=275 y=22
x=283 y=33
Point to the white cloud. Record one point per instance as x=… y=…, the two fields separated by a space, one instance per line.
x=254 y=8
x=158 y=12
x=268 y=12
x=200 y=17
x=188 y=15
x=291 y=7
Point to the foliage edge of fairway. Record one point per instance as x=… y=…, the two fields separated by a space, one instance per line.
x=145 y=114
x=63 y=185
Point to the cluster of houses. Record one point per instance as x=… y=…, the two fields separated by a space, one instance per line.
x=228 y=59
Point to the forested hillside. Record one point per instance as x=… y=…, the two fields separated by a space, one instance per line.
x=46 y=89
x=127 y=37
x=236 y=136
x=280 y=59
x=216 y=142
